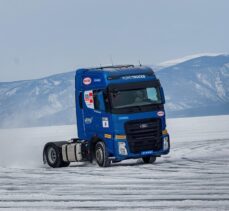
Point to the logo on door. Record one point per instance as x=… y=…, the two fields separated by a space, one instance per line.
x=87 y=81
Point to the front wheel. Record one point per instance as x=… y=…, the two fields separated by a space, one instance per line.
x=101 y=155
x=150 y=159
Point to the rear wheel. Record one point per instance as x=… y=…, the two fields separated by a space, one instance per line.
x=101 y=155
x=150 y=159
x=53 y=156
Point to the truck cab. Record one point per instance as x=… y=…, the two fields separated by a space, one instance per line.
x=120 y=115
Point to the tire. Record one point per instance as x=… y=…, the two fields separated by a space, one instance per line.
x=64 y=164
x=150 y=159
x=101 y=155
x=53 y=156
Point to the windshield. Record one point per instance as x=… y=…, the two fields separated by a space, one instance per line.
x=135 y=97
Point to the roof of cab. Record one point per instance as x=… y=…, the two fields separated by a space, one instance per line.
x=119 y=70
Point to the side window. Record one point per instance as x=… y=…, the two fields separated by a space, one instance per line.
x=88 y=99
x=94 y=99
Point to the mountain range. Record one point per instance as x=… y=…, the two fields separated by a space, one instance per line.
x=194 y=86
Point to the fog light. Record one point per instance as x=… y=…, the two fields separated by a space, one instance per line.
x=122 y=148
x=165 y=143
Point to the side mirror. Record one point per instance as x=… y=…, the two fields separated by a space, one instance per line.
x=101 y=101
x=162 y=95
x=115 y=92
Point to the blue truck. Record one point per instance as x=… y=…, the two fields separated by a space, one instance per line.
x=120 y=115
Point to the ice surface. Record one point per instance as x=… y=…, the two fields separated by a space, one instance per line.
x=194 y=176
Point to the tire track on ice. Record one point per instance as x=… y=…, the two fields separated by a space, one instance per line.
x=189 y=178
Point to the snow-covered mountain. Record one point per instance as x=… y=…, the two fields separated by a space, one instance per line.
x=186 y=58
x=193 y=87
x=46 y=101
x=199 y=86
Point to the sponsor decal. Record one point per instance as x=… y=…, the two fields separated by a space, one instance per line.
x=123 y=117
x=88 y=99
x=97 y=80
x=87 y=81
x=105 y=122
x=160 y=113
x=120 y=136
x=107 y=136
x=128 y=77
x=88 y=120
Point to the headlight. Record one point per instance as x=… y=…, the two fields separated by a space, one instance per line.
x=165 y=143
x=122 y=148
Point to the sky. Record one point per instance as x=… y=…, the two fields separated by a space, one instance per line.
x=43 y=37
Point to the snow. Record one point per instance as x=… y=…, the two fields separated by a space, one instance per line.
x=174 y=107
x=37 y=91
x=12 y=91
x=186 y=58
x=194 y=176
x=204 y=79
x=53 y=99
x=219 y=87
x=56 y=83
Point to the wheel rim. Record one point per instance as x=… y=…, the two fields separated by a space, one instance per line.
x=52 y=155
x=99 y=155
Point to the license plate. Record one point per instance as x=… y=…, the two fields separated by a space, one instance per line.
x=150 y=152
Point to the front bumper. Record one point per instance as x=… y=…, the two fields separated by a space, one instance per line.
x=122 y=155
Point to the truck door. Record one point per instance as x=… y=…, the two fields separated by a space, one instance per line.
x=96 y=119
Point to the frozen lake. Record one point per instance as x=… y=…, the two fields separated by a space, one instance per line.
x=195 y=175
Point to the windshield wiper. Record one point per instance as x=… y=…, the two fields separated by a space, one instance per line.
x=135 y=107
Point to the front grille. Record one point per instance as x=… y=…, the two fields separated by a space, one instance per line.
x=144 y=134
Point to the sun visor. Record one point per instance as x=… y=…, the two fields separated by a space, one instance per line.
x=134 y=85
